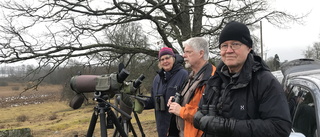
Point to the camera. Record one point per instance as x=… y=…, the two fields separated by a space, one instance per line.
x=177 y=98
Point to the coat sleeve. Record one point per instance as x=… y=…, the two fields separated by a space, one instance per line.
x=189 y=110
x=274 y=116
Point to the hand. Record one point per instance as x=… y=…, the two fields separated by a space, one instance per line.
x=196 y=119
x=174 y=108
x=170 y=101
x=217 y=125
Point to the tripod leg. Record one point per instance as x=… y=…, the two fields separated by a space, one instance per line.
x=139 y=124
x=125 y=126
x=103 y=126
x=116 y=133
x=117 y=123
x=92 y=124
x=132 y=129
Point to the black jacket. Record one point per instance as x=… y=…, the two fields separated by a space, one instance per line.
x=253 y=97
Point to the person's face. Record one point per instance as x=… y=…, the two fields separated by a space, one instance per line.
x=166 y=62
x=233 y=54
x=191 y=56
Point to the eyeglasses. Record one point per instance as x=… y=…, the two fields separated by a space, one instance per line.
x=165 y=58
x=234 y=46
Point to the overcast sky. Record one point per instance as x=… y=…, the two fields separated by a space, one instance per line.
x=290 y=43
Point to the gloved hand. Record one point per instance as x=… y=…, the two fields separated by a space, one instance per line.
x=216 y=125
x=196 y=119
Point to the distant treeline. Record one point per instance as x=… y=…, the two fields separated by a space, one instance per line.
x=62 y=76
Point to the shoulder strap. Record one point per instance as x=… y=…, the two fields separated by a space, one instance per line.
x=254 y=93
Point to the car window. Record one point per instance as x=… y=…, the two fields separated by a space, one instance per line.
x=302 y=110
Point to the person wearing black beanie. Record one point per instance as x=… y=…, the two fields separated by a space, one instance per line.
x=236 y=31
x=242 y=98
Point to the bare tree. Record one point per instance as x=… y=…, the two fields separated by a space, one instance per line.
x=313 y=52
x=276 y=62
x=55 y=31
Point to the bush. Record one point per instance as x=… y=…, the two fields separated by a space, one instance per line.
x=22 y=118
x=3 y=83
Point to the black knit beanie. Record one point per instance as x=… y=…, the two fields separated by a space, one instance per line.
x=236 y=31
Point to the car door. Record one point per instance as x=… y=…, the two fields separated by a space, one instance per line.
x=302 y=98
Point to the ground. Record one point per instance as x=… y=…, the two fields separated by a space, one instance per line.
x=47 y=116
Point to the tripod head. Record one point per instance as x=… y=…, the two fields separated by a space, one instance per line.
x=102 y=98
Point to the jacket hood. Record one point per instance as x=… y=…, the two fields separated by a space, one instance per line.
x=179 y=60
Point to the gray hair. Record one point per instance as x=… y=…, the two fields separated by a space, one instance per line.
x=198 y=43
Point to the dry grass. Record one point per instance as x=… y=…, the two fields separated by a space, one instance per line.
x=52 y=118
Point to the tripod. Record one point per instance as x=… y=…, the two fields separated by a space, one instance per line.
x=103 y=107
x=125 y=122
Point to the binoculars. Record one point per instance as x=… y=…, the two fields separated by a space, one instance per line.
x=177 y=98
x=160 y=103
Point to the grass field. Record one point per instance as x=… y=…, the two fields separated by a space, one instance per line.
x=52 y=118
